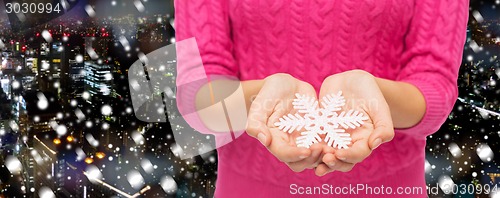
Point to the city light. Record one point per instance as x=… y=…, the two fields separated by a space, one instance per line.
x=70 y=138
x=89 y=160
x=100 y=155
x=57 y=141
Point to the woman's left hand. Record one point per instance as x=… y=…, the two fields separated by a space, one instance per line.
x=363 y=94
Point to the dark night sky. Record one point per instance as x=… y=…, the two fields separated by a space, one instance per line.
x=103 y=9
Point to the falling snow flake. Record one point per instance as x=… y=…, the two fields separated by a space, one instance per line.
x=321 y=121
x=168 y=184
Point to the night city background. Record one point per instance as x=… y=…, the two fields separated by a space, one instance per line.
x=68 y=129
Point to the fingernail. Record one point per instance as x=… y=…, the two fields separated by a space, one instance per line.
x=342 y=158
x=262 y=138
x=302 y=157
x=331 y=164
x=376 y=143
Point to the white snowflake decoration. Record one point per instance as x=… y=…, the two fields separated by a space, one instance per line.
x=320 y=121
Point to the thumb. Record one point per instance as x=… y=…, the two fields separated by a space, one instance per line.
x=384 y=129
x=381 y=134
x=256 y=123
x=258 y=130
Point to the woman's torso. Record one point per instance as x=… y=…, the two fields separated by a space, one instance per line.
x=312 y=39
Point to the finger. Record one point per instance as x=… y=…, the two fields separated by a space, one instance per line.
x=285 y=152
x=384 y=128
x=384 y=132
x=356 y=153
x=257 y=119
x=343 y=167
x=295 y=167
x=309 y=162
x=322 y=170
x=333 y=163
x=329 y=159
x=328 y=149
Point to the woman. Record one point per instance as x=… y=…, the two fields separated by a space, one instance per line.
x=396 y=61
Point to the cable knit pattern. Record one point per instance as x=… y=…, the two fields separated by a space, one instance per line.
x=414 y=41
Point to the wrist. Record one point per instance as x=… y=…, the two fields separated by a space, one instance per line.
x=351 y=77
x=251 y=89
x=406 y=102
x=283 y=81
x=279 y=78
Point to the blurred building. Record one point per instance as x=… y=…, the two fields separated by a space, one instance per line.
x=98 y=79
x=52 y=66
x=57 y=167
x=37 y=110
x=32 y=64
x=45 y=156
x=33 y=112
x=77 y=78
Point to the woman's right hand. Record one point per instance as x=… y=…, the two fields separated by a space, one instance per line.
x=273 y=101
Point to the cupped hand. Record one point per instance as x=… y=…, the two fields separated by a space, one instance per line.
x=273 y=101
x=363 y=94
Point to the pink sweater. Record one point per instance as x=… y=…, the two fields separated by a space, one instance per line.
x=415 y=41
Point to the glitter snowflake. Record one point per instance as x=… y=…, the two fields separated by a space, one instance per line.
x=321 y=121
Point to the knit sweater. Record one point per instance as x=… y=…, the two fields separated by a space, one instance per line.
x=414 y=41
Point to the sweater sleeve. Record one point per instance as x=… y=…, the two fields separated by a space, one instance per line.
x=204 y=52
x=432 y=57
x=208 y=22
